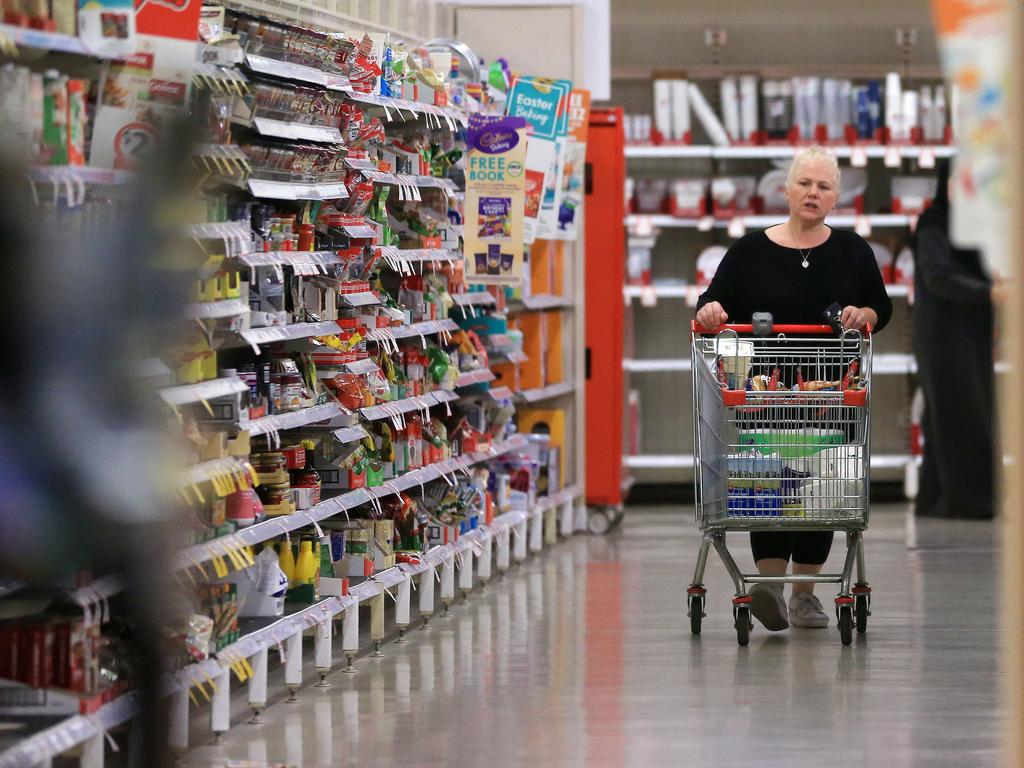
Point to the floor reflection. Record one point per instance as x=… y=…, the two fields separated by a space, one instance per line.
x=583 y=658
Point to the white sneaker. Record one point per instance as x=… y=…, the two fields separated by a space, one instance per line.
x=769 y=606
x=805 y=611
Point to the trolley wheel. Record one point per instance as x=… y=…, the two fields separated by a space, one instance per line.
x=846 y=624
x=743 y=625
x=599 y=522
x=696 y=605
x=861 y=613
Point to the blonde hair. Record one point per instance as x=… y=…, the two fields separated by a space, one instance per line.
x=811 y=154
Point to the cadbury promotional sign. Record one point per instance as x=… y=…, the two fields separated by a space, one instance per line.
x=495 y=180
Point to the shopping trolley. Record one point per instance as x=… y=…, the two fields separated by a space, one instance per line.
x=781 y=443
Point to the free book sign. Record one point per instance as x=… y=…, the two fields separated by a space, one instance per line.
x=495 y=181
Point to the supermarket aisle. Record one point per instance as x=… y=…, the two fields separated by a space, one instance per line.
x=583 y=658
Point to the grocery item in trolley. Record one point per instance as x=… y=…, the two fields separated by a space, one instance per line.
x=734 y=359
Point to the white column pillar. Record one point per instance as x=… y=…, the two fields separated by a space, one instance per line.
x=324 y=650
x=258 y=684
x=466 y=572
x=504 y=549
x=220 y=711
x=484 y=564
x=403 y=598
x=350 y=635
x=293 y=665
x=519 y=534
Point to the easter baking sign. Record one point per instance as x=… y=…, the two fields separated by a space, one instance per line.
x=544 y=104
x=495 y=181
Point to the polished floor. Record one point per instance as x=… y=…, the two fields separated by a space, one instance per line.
x=583 y=657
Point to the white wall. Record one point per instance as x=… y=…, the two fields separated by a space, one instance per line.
x=524 y=50
x=670 y=33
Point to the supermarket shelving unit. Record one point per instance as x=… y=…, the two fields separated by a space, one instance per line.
x=456 y=567
x=644 y=302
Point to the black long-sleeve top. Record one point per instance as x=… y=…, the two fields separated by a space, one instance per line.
x=950 y=274
x=758 y=275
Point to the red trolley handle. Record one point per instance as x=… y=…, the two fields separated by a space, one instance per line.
x=807 y=330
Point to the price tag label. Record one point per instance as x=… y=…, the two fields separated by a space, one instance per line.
x=648 y=296
x=644 y=226
x=858 y=157
x=893 y=157
x=737 y=227
x=705 y=223
x=927 y=158
x=862 y=226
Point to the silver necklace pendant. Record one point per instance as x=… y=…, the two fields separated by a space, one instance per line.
x=805 y=263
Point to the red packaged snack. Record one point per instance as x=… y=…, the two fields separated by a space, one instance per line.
x=364 y=72
x=360 y=198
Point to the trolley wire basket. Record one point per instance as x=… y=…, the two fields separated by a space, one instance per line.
x=781 y=441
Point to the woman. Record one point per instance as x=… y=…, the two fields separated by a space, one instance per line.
x=953 y=346
x=796 y=270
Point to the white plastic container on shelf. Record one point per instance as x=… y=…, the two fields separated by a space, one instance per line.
x=707 y=263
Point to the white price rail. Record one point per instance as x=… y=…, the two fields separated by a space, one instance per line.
x=304 y=262
x=501 y=393
x=68 y=734
x=548 y=393
x=347 y=435
x=361 y=367
x=297 y=190
x=364 y=231
x=282 y=421
x=545 y=301
x=658 y=461
x=661 y=291
x=79 y=174
x=415 y=255
x=379 y=177
x=656 y=366
x=406 y=405
x=469 y=378
x=204 y=390
x=474 y=299
x=273 y=527
x=362 y=299
x=682 y=151
x=213 y=310
x=99 y=590
x=275 y=333
x=425 y=328
x=414 y=108
x=283 y=129
x=234 y=467
x=231 y=232
x=300 y=72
